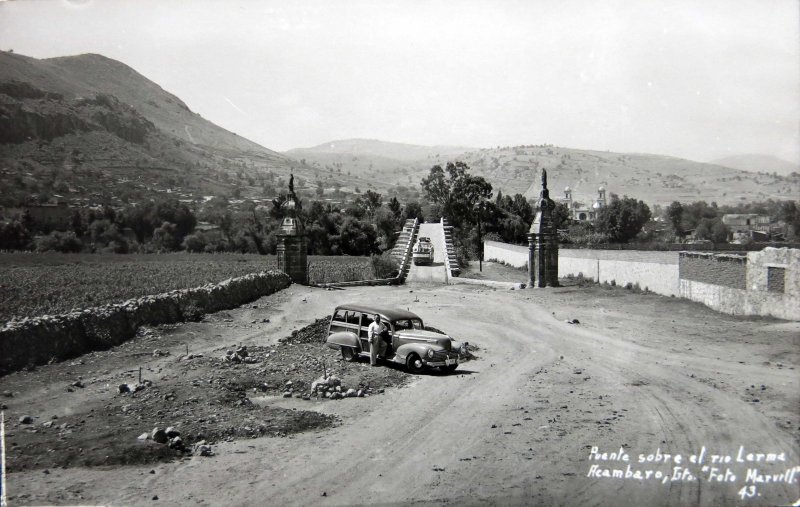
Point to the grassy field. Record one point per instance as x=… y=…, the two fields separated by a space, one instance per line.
x=41 y=284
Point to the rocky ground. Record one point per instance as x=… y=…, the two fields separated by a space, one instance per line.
x=102 y=413
x=559 y=372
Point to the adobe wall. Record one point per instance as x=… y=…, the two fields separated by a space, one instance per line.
x=38 y=340
x=715 y=269
x=745 y=293
x=786 y=258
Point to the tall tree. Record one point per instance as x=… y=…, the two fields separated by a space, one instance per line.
x=455 y=194
x=675 y=216
x=370 y=202
x=623 y=218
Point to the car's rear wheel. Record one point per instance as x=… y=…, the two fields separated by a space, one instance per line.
x=414 y=363
x=349 y=354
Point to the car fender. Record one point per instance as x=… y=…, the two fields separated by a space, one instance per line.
x=456 y=345
x=420 y=348
x=343 y=339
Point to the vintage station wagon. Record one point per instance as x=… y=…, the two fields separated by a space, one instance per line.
x=408 y=343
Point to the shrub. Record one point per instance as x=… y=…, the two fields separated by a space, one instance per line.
x=65 y=242
x=384 y=265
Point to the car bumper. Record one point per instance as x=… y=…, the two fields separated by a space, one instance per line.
x=446 y=362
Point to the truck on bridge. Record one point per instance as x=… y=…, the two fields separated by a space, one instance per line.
x=423 y=251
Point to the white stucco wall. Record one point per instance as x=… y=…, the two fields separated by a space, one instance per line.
x=742 y=302
x=656 y=271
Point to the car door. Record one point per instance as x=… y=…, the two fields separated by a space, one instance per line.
x=339 y=322
x=366 y=320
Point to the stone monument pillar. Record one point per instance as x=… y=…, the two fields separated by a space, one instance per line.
x=543 y=242
x=292 y=246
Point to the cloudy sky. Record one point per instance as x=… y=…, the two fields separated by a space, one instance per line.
x=693 y=79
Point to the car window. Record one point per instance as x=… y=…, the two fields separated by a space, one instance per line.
x=353 y=317
x=408 y=324
x=367 y=320
x=340 y=316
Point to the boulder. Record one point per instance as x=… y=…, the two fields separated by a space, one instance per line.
x=26 y=419
x=159 y=435
x=203 y=449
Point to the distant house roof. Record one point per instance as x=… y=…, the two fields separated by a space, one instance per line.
x=746 y=221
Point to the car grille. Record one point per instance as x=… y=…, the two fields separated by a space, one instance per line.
x=441 y=355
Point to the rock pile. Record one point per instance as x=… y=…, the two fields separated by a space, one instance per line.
x=313 y=333
x=134 y=388
x=331 y=387
x=169 y=436
x=240 y=355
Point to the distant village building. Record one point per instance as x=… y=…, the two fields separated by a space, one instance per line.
x=747 y=226
x=580 y=213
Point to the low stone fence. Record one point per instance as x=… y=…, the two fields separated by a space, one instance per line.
x=38 y=340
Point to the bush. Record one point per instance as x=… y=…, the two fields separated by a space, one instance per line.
x=384 y=265
x=65 y=242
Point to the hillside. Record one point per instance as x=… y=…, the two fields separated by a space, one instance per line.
x=759 y=163
x=656 y=179
x=384 y=165
x=92 y=130
x=374 y=148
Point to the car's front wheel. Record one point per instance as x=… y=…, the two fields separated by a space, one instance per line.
x=349 y=354
x=414 y=363
x=450 y=368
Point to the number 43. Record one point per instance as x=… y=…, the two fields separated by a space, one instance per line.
x=747 y=492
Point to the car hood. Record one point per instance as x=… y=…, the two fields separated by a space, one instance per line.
x=420 y=335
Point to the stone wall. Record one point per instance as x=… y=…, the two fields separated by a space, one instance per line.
x=38 y=340
x=656 y=271
x=755 y=296
x=727 y=270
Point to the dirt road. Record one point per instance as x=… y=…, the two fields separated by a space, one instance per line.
x=516 y=426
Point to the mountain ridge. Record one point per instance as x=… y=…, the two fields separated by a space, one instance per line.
x=657 y=179
x=758 y=162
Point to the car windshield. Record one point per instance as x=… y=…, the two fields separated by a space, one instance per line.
x=400 y=325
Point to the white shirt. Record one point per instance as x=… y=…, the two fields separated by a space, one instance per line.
x=375 y=329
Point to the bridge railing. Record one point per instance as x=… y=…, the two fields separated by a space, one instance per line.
x=451 y=261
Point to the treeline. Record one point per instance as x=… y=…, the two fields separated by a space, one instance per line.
x=705 y=220
x=468 y=203
x=366 y=226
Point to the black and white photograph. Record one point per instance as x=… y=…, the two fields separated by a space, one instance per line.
x=399 y=253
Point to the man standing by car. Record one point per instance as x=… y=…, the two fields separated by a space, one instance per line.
x=375 y=338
